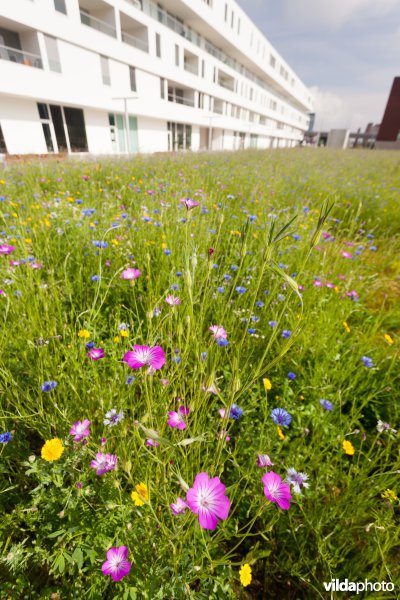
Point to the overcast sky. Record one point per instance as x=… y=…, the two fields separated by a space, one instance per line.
x=346 y=51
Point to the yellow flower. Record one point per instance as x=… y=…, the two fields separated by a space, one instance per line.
x=164 y=245
x=117 y=339
x=267 y=384
x=348 y=447
x=115 y=242
x=347 y=328
x=245 y=575
x=84 y=333
x=141 y=495
x=28 y=240
x=280 y=433
x=389 y=495
x=124 y=333
x=389 y=339
x=52 y=449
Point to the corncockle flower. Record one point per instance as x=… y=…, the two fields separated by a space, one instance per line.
x=286 y=333
x=367 y=362
x=80 y=430
x=276 y=491
x=104 y=462
x=236 y=412
x=5 y=437
x=178 y=507
x=291 y=375
x=113 y=418
x=218 y=331
x=280 y=416
x=189 y=203
x=130 y=274
x=207 y=499
x=176 y=419
x=6 y=249
x=346 y=255
x=173 y=300
x=151 y=442
x=96 y=353
x=326 y=404
x=103 y=441
x=117 y=564
x=47 y=386
x=297 y=480
x=263 y=460
x=145 y=355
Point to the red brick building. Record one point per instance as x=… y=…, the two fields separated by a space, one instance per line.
x=388 y=137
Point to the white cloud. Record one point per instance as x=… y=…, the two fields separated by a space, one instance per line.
x=331 y=14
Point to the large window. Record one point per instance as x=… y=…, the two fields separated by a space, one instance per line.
x=63 y=128
x=179 y=136
x=59 y=5
x=3 y=147
x=105 y=70
x=132 y=78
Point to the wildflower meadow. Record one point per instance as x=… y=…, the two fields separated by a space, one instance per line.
x=199 y=376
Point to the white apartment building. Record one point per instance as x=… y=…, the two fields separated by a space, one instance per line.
x=128 y=76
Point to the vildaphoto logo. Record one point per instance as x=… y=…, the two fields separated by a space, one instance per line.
x=358 y=586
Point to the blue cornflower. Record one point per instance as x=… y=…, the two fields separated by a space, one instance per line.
x=251 y=330
x=95 y=277
x=286 y=333
x=266 y=292
x=220 y=289
x=203 y=355
x=100 y=244
x=272 y=324
x=47 y=386
x=291 y=375
x=240 y=289
x=255 y=319
x=176 y=359
x=130 y=380
x=234 y=267
x=296 y=237
x=367 y=362
x=174 y=287
x=227 y=277
x=215 y=266
x=89 y=345
x=5 y=437
x=178 y=273
x=280 y=416
x=167 y=252
x=259 y=304
x=252 y=218
x=222 y=341
x=157 y=312
x=326 y=404
x=236 y=412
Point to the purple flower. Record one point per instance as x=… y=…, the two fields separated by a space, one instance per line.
x=291 y=375
x=218 y=331
x=176 y=419
x=113 y=418
x=297 y=480
x=173 y=300
x=236 y=412
x=367 y=362
x=178 y=507
x=207 y=499
x=240 y=289
x=104 y=462
x=130 y=274
x=152 y=443
x=286 y=333
x=276 y=491
x=189 y=203
x=145 y=355
x=326 y=404
x=96 y=353
x=263 y=460
x=47 y=386
x=222 y=341
x=5 y=437
x=280 y=416
x=6 y=249
x=80 y=430
x=272 y=324
x=117 y=564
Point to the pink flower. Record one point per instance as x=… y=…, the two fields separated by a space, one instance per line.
x=318 y=283
x=151 y=442
x=145 y=355
x=6 y=249
x=36 y=265
x=117 y=564
x=96 y=353
x=178 y=507
x=346 y=254
x=80 y=430
x=218 y=331
x=130 y=273
x=176 y=418
x=207 y=499
x=189 y=203
x=104 y=462
x=263 y=460
x=211 y=390
x=276 y=491
x=173 y=300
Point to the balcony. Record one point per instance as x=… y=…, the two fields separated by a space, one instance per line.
x=190 y=62
x=23 y=58
x=218 y=106
x=226 y=81
x=181 y=96
x=98 y=15
x=134 y=33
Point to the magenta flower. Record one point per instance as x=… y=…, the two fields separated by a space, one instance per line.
x=189 y=203
x=6 y=249
x=207 y=499
x=80 y=430
x=152 y=443
x=96 y=353
x=178 y=507
x=173 y=300
x=131 y=273
x=218 y=331
x=263 y=460
x=117 y=564
x=346 y=254
x=276 y=491
x=104 y=462
x=176 y=418
x=145 y=355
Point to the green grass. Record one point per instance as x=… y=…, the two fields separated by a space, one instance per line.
x=53 y=536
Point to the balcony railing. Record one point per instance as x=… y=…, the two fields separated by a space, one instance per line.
x=134 y=41
x=95 y=23
x=218 y=110
x=23 y=58
x=226 y=84
x=191 y=68
x=181 y=100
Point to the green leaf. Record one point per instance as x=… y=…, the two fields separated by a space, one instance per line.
x=59 y=563
x=77 y=556
x=56 y=534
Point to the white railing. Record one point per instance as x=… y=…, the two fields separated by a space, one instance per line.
x=98 y=24
x=18 y=56
x=191 y=68
x=134 y=41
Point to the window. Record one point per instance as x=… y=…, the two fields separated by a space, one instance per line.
x=202 y=68
x=226 y=12
x=162 y=88
x=176 y=55
x=59 y=5
x=105 y=70
x=158 y=45
x=52 y=53
x=76 y=129
x=238 y=26
x=3 y=147
x=63 y=128
x=201 y=100
x=179 y=136
x=132 y=78
x=272 y=61
x=232 y=18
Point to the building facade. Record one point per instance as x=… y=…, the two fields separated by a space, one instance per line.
x=127 y=76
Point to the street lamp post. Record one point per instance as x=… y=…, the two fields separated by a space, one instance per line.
x=126 y=117
x=210 y=118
